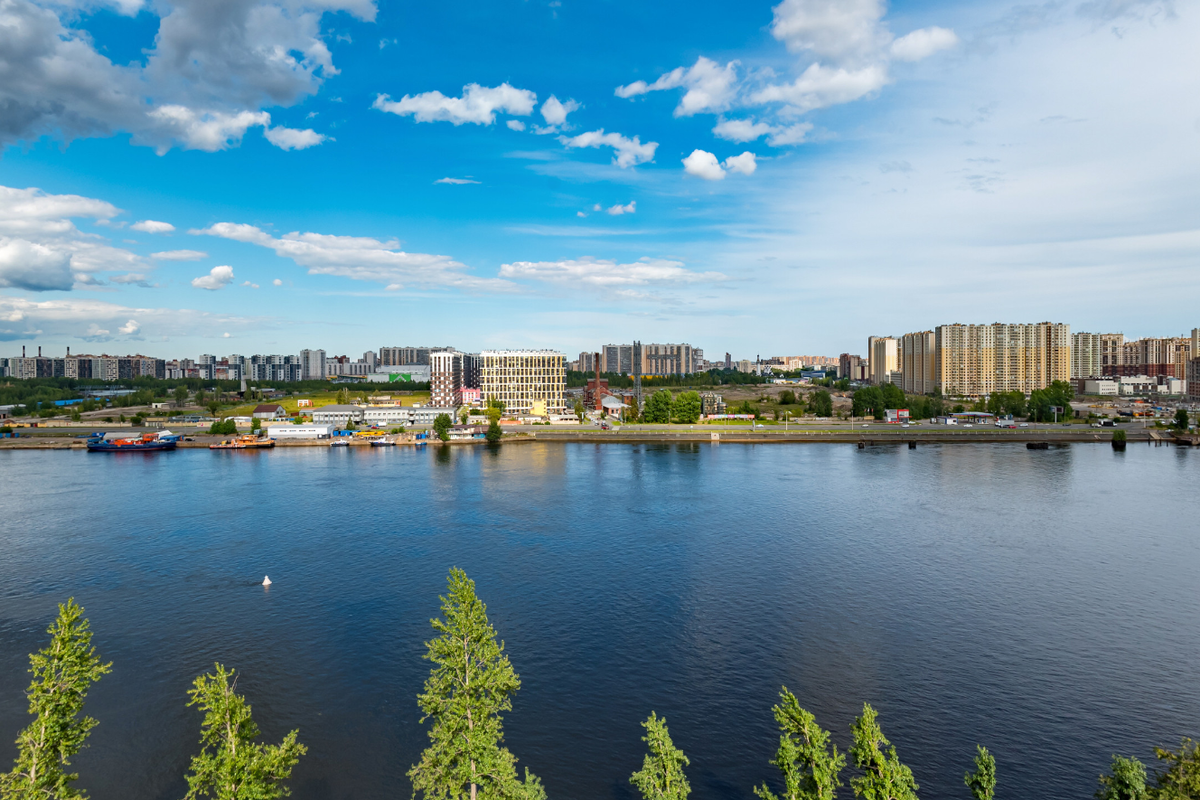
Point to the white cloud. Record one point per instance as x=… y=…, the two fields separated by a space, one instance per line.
x=746 y=163
x=792 y=134
x=581 y=214
x=293 y=138
x=41 y=243
x=179 y=255
x=277 y=282
x=249 y=284
x=91 y=319
x=455 y=181
x=34 y=267
x=131 y=279
x=555 y=112
x=710 y=87
x=837 y=30
x=209 y=131
x=819 y=87
x=152 y=226
x=619 y=209
x=606 y=273
x=741 y=130
x=704 y=165
x=478 y=104
x=216 y=278
x=211 y=70
x=629 y=152
x=359 y=258
x=129 y=328
x=515 y=125
x=923 y=43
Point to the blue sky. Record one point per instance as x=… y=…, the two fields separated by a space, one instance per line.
x=760 y=178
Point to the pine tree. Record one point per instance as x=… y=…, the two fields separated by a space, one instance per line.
x=809 y=764
x=467 y=690
x=884 y=777
x=231 y=765
x=661 y=776
x=62 y=675
x=982 y=782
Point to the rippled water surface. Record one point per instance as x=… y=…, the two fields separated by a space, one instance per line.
x=1042 y=603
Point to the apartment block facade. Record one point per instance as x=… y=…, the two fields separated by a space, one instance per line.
x=974 y=360
x=883 y=354
x=1166 y=357
x=918 y=352
x=528 y=382
x=450 y=373
x=405 y=356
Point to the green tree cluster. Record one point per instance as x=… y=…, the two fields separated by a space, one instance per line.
x=441 y=426
x=787 y=398
x=874 y=400
x=1043 y=401
x=1179 y=780
x=820 y=403
x=685 y=408
x=658 y=407
x=225 y=427
x=1181 y=419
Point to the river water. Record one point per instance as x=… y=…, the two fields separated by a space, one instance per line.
x=1044 y=604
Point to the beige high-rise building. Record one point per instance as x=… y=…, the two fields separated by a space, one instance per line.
x=918 y=354
x=528 y=382
x=884 y=355
x=1085 y=355
x=974 y=360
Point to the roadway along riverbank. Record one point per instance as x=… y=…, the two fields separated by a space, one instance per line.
x=876 y=435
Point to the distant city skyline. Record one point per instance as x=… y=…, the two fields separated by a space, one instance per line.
x=539 y=174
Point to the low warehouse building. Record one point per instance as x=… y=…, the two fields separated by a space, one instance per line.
x=300 y=431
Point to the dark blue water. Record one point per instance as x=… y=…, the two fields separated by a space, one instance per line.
x=1042 y=603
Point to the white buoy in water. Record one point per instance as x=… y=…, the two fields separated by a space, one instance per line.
x=266 y=581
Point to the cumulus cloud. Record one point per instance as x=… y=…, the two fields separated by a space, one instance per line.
x=129 y=328
x=216 y=278
x=618 y=209
x=607 y=273
x=703 y=164
x=277 y=282
x=629 y=152
x=294 y=138
x=34 y=267
x=845 y=50
x=478 y=104
x=923 y=43
x=212 y=68
x=179 y=255
x=359 y=258
x=455 y=181
x=152 y=226
x=555 y=112
x=746 y=163
x=41 y=244
x=515 y=125
x=710 y=87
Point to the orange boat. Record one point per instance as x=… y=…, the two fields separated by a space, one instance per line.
x=247 y=442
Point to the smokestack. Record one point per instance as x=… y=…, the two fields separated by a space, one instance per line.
x=68 y=351
x=22 y=351
x=39 y=351
x=596 y=364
